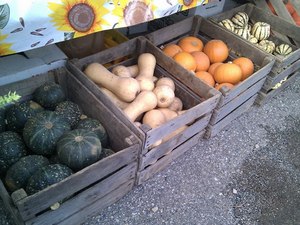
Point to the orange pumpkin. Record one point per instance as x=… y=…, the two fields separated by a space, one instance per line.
x=202 y=61
x=289 y=6
x=190 y=44
x=171 y=50
x=186 y=60
x=228 y=73
x=213 y=67
x=246 y=65
x=216 y=50
x=228 y=85
x=206 y=77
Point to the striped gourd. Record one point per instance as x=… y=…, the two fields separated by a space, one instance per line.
x=283 y=49
x=267 y=46
x=227 y=23
x=252 y=39
x=261 y=30
x=240 y=19
x=243 y=32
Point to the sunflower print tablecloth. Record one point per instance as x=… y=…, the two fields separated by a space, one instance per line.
x=31 y=24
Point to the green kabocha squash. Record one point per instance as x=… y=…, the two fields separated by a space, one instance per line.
x=106 y=152
x=79 y=148
x=283 y=49
x=261 y=30
x=240 y=19
x=266 y=45
x=97 y=127
x=47 y=176
x=228 y=24
x=2 y=119
x=18 y=174
x=17 y=114
x=70 y=111
x=49 y=95
x=243 y=32
x=12 y=148
x=42 y=132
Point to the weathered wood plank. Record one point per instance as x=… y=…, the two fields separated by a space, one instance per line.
x=167 y=159
x=212 y=130
x=154 y=154
x=263 y=97
x=219 y=114
x=281 y=11
x=273 y=79
x=80 y=203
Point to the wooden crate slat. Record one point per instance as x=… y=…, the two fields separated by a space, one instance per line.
x=215 y=129
x=79 y=203
x=167 y=159
x=281 y=11
x=154 y=154
x=296 y=4
x=263 y=97
x=272 y=80
x=219 y=114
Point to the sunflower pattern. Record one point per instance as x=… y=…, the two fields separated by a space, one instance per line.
x=58 y=20
x=5 y=48
x=79 y=16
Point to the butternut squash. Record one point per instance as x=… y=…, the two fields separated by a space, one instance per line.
x=118 y=102
x=176 y=105
x=168 y=113
x=146 y=67
x=165 y=81
x=126 y=88
x=145 y=101
x=146 y=84
x=133 y=70
x=121 y=71
x=165 y=96
x=154 y=118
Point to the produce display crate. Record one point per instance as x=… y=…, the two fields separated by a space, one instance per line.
x=282 y=32
x=236 y=101
x=90 y=189
x=199 y=106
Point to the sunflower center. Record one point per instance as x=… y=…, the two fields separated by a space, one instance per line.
x=187 y=2
x=81 y=17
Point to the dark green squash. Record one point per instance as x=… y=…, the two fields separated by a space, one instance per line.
x=49 y=95
x=97 y=127
x=41 y=132
x=17 y=114
x=79 y=148
x=106 y=152
x=47 y=176
x=18 y=174
x=70 y=111
x=2 y=119
x=12 y=148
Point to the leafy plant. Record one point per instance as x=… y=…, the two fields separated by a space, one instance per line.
x=8 y=98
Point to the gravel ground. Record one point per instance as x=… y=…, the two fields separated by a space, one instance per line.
x=247 y=175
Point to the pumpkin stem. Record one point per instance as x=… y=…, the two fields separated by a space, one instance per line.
x=49 y=125
x=78 y=138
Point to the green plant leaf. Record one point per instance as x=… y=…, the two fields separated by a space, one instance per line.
x=4 y=15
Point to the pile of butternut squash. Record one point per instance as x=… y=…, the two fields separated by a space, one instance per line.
x=143 y=97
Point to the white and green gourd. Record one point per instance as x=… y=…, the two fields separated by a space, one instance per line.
x=240 y=19
x=243 y=32
x=252 y=39
x=266 y=45
x=228 y=24
x=261 y=30
x=283 y=49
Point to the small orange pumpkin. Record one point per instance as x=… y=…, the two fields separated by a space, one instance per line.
x=190 y=44
x=202 y=61
x=213 y=67
x=186 y=60
x=246 y=65
x=206 y=77
x=216 y=50
x=228 y=73
x=228 y=85
x=171 y=49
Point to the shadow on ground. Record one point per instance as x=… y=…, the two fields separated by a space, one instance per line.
x=267 y=188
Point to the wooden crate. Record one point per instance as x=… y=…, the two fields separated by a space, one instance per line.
x=198 y=107
x=233 y=103
x=282 y=32
x=90 y=189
